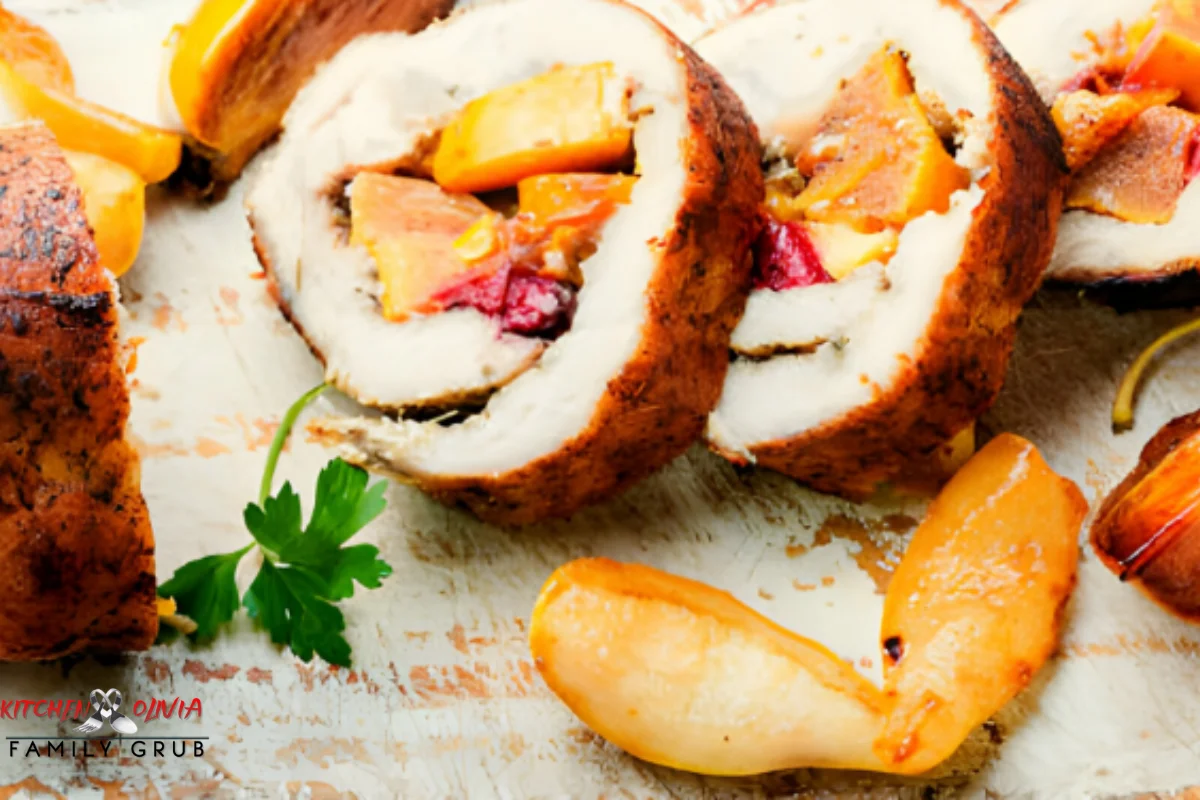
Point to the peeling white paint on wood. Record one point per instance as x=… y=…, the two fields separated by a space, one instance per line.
x=444 y=700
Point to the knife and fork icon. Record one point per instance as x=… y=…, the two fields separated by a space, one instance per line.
x=106 y=705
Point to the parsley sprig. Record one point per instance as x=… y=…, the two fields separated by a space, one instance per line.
x=306 y=569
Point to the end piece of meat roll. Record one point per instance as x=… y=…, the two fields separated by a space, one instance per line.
x=75 y=534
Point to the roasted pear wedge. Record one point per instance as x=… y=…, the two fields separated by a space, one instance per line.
x=682 y=674
x=1145 y=530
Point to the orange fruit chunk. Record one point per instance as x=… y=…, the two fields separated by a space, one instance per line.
x=114 y=200
x=1140 y=175
x=570 y=119
x=1088 y=121
x=1170 y=59
x=79 y=125
x=581 y=199
x=34 y=53
x=875 y=160
x=410 y=226
x=842 y=249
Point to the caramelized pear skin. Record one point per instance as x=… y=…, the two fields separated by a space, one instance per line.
x=682 y=674
x=1146 y=528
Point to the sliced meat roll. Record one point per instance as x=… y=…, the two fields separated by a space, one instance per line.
x=74 y=531
x=913 y=185
x=548 y=240
x=1121 y=76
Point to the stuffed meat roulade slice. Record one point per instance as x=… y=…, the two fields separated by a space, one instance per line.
x=914 y=181
x=533 y=256
x=1123 y=78
x=75 y=535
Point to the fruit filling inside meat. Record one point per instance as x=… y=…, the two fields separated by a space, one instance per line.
x=838 y=197
x=563 y=142
x=1130 y=119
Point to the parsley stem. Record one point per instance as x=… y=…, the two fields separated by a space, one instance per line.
x=281 y=437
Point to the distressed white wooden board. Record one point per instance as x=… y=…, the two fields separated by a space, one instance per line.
x=443 y=700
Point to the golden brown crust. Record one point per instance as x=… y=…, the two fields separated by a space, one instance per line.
x=75 y=534
x=970 y=337
x=657 y=406
x=253 y=80
x=1168 y=570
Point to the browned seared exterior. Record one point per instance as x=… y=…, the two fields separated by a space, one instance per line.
x=970 y=337
x=657 y=406
x=75 y=536
x=1157 y=547
x=252 y=78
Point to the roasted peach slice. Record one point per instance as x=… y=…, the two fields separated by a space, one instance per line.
x=876 y=161
x=975 y=607
x=410 y=227
x=238 y=64
x=1140 y=175
x=679 y=673
x=79 y=125
x=114 y=200
x=1088 y=121
x=36 y=80
x=570 y=119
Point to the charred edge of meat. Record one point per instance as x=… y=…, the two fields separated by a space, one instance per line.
x=448 y=415
x=88 y=310
x=197 y=175
x=1125 y=293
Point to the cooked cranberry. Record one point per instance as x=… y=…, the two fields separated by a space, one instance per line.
x=484 y=290
x=537 y=305
x=526 y=303
x=784 y=258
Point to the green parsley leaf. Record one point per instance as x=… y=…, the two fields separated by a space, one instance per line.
x=276 y=522
x=359 y=563
x=343 y=506
x=290 y=604
x=205 y=591
x=306 y=569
